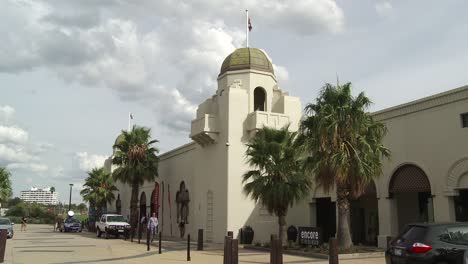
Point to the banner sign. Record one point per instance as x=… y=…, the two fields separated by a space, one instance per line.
x=310 y=236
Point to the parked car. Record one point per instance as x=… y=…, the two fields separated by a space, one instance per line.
x=5 y=223
x=430 y=243
x=70 y=225
x=112 y=225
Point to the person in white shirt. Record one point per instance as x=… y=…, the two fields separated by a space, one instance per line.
x=153 y=225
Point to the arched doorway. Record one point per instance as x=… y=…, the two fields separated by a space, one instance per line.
x=152 y=203
x=142 y=205
x=365 y=217
x=411 y=189
x=259 y=99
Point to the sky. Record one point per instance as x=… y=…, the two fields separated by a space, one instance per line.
x=71 y=71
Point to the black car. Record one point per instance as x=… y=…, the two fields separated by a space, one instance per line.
x=433 y=243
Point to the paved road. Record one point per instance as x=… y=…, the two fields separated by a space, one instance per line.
x=41 y=245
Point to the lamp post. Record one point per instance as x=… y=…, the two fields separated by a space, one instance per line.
x=69 y=201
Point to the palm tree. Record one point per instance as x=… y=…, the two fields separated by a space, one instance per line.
x=137 y=162
x=345 y=147
x=5 y=185
x=277 y=180
x=99 y=189
x=52 y=189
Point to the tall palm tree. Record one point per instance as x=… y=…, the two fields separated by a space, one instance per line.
x=345 y=147
x=99 y=189
x=137 y=162
x=5 y=185
x=52 y=189
x=277 y=180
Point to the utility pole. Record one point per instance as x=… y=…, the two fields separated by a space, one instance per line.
x=69 y=201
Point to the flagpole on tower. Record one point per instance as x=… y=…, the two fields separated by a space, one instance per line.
x=247 y=28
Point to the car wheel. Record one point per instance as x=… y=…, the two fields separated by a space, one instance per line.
x=98 y=232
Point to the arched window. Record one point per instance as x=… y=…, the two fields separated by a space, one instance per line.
x=259 y=99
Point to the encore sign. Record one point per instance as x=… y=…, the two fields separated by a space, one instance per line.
x=310 y=236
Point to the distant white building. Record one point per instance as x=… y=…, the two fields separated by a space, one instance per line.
x=40 y=196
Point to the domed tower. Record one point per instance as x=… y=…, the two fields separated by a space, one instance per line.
x=247 y=99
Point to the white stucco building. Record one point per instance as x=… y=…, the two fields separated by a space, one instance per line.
x=40 y=196
x=425 y=180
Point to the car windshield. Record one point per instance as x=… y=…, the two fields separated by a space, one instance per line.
x=71 y=220
x=4 y=222
x=115 y=218
x=455 y=235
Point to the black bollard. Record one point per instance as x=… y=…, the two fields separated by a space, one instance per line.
x=235 y=251
x=148 y=240
x=333 y=251
x=200 y=239
x=3 y=240
x=188 y=247
x=139 y=233
x=160 y=237
x=273 y=250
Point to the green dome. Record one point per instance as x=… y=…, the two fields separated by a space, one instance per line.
x=247 y=58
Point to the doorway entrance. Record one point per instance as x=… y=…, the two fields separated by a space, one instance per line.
x=461 y=206
x=365 y=218
x=411 y=189
x=326 y=217
x=142 y=205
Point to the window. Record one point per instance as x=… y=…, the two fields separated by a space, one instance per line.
x=259 y=99
x=464 y=118
x=455 y=235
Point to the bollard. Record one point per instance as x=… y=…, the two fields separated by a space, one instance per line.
x=139 y=233
x=3 y=240
x=160 y=235
x=234 y=251
x=200 y=240
x=273 y=250
x=226 y=248
x=279 y=255
x=188 y=247
x=333 y=251
x=147 y=240
x=230 y=234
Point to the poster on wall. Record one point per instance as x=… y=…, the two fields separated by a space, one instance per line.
x=310 y=236
x=156 y=199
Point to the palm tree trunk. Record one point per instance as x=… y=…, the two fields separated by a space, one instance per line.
x=134 y=206
x=344 y=231
x=282 y=229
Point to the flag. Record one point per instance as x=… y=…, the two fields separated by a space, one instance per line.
x=131 y=116
x=250 y=25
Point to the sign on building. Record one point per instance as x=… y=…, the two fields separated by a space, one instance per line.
x=310 y=236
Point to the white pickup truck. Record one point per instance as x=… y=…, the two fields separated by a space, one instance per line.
x=112 y=224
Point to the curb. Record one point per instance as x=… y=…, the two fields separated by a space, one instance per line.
x=322 y=256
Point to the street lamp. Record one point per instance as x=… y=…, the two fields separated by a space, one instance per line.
x=69 y=201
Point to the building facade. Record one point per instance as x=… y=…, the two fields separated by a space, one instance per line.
x=426 y=178
x=40 y=196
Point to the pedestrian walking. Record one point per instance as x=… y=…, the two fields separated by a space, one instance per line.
x=23 y=223
x=153 y=225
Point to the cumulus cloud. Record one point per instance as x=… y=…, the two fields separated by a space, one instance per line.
x=384 y=8
x=6 y=113
x=13 y=154
x=87 y=162
x=13 y=135
x=33 y=167
x=163 y=54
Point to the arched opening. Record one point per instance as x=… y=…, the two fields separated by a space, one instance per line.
x=142 y=205
x=365 y=217
x=461 y=201
x=118 y=204
x=152 y=203
x=259 y=99
x=411 y=189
